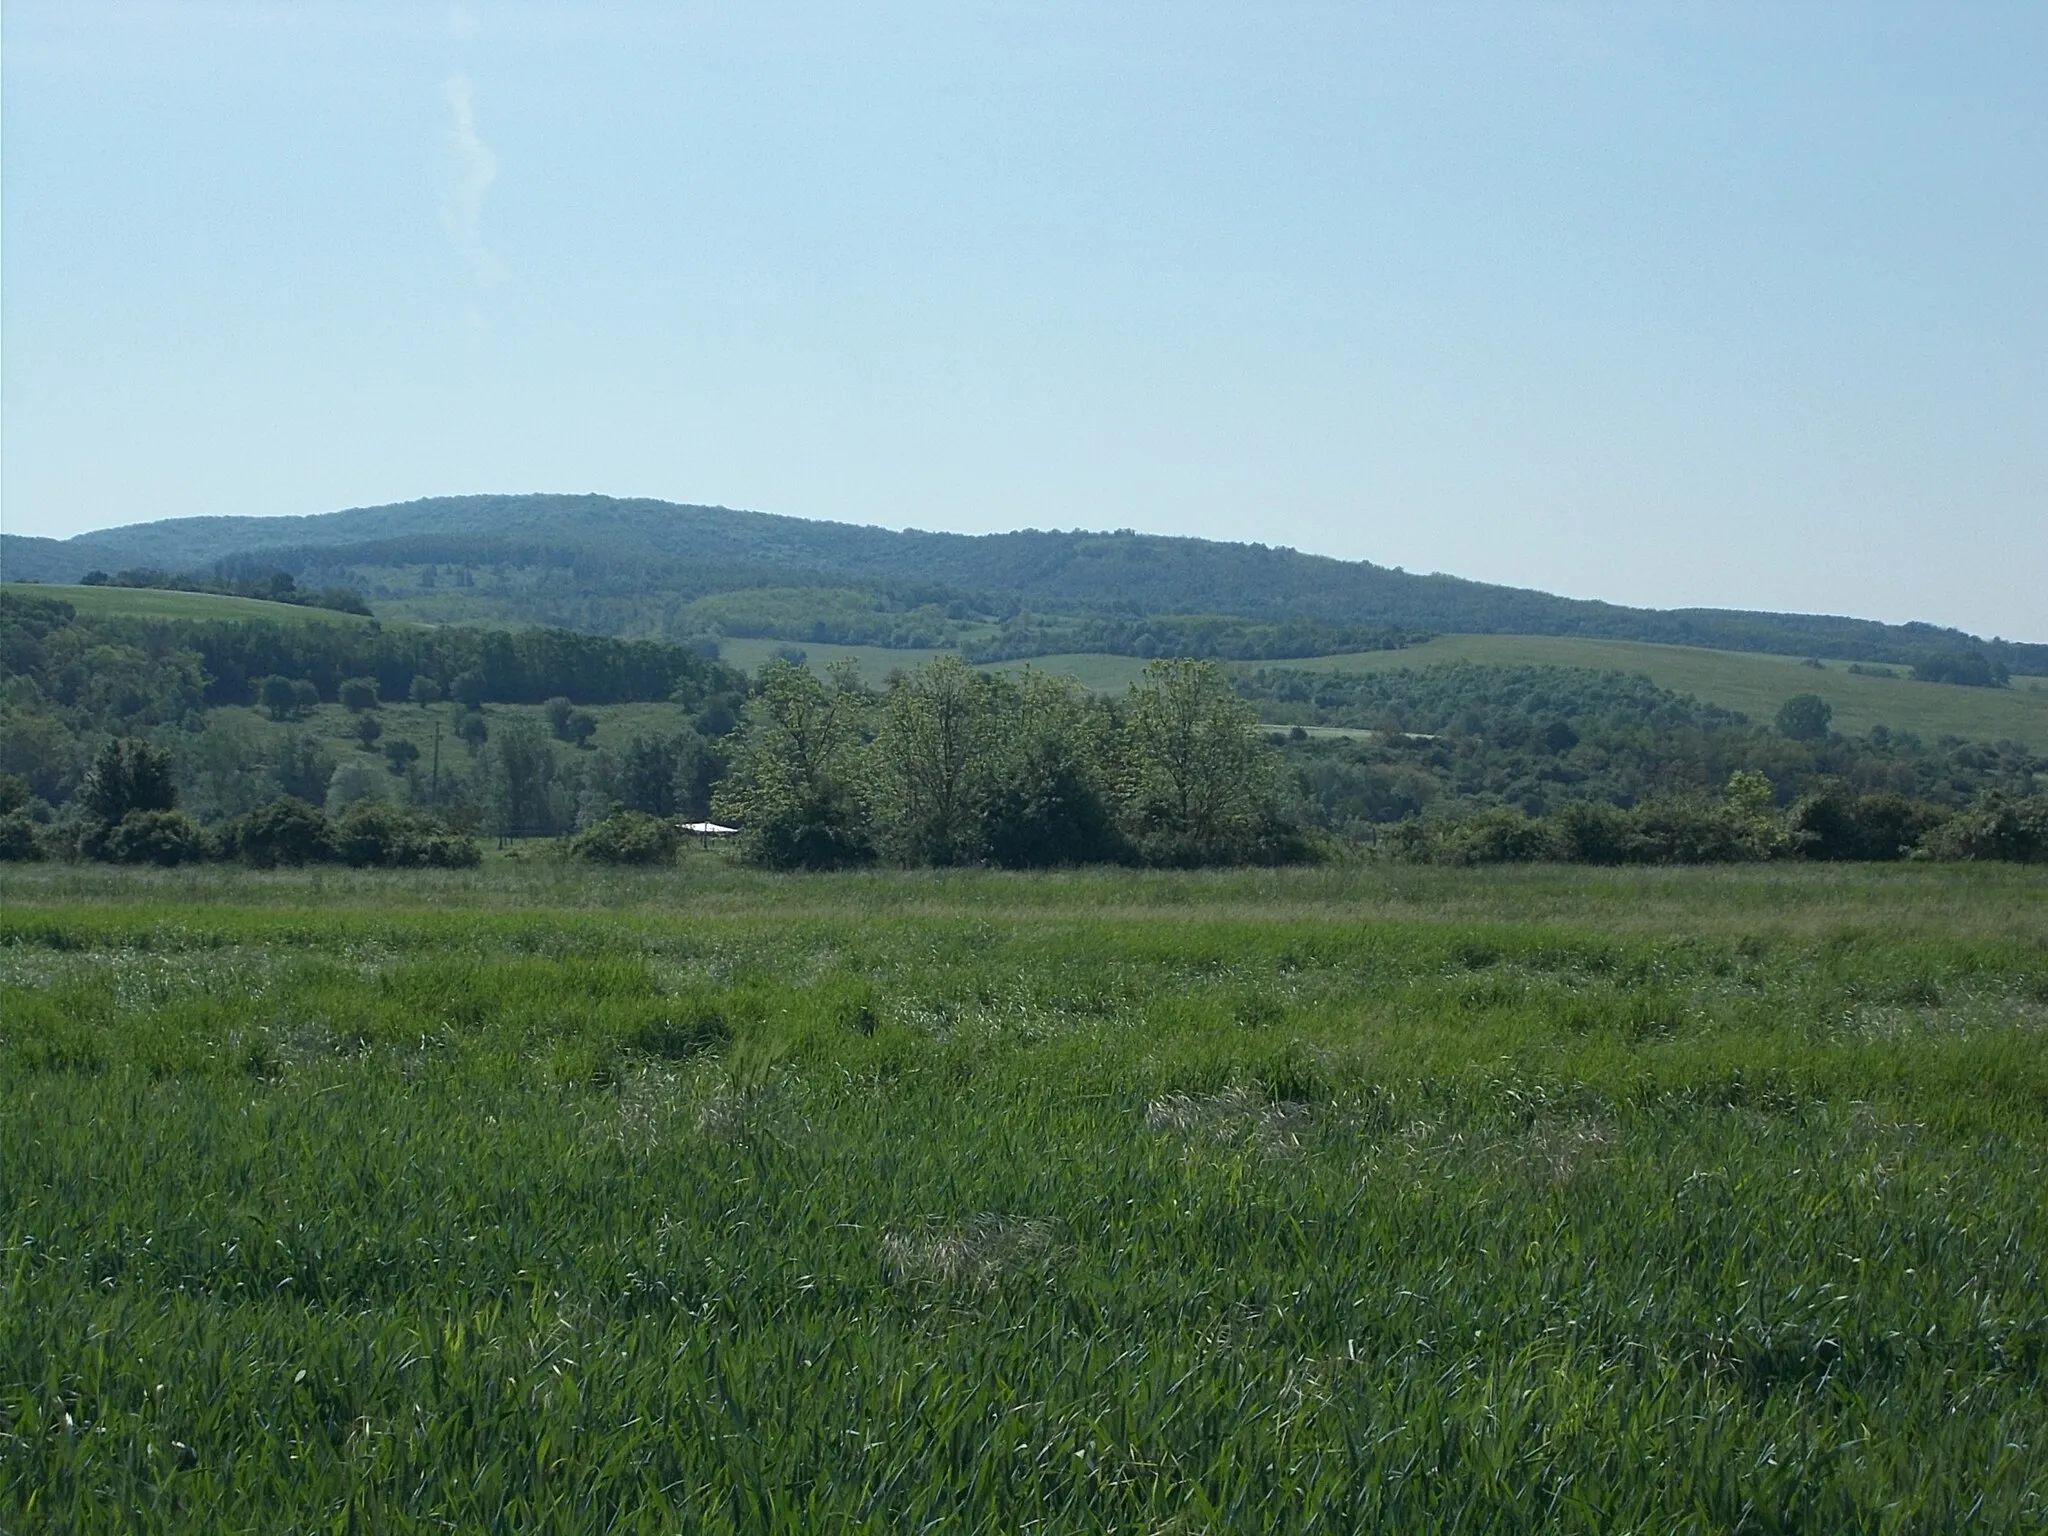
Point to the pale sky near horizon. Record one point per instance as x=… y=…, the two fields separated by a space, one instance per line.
x=1738 y=305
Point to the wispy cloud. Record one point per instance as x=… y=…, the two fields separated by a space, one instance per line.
x=472 y=169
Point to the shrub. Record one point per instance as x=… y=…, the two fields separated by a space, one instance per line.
x=286 y=831
x=127 y=774
x=1591 y=832
x=2015 y=831
x=154 y=837
x=1833 y=822
x=19 y=843
x=378 y=834
x=629 y=837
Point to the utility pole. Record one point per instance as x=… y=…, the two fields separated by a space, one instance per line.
x=435 y=794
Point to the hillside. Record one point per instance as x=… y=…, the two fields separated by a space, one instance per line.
x=152 y=603
x=636 y=567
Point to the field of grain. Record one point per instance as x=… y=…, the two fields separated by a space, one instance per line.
x=525 y=1199
x=148 y=603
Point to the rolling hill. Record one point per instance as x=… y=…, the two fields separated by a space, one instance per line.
x=638 y=567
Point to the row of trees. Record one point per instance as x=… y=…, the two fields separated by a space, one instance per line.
x=949 y=765
x=1830 y=822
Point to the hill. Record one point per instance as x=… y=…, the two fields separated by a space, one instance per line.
x=638 y=567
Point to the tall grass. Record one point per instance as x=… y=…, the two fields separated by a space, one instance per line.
x=1439 y=1200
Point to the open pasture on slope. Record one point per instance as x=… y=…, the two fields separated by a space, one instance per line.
x=155 y=603
x=1404 y=1199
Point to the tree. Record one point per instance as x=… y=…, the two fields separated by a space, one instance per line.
x=127 y=774
x=1048 y=801
x=795 y=787
x=468 y=689
x=368 y=729
x=578 y=727
x=279 y=696
x=1198 y=783
x=1805 y=717
x=647 y=774
x=525 y=765
x=401 y=755
x=931 y=762
x=558 y=709
x=424 y=690
x=357 y=694
x=472 y=731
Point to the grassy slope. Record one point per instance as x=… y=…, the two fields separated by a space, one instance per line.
x=1755 y=684
x=1352 y=1200
x=146 y=603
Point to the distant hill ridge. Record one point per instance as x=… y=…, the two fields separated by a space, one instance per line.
x=620 y=547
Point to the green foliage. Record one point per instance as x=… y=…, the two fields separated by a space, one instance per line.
x=628 y=837
x=1804 y=717
x=2011 y=830
x=797 y=785
x=1198 y=784
x=1194 y=635
x=20 y=843
x=1832 y=821
x=153 y=837
x=356 y=694
x=127 y=775
x=376 y=833
x=285 y=832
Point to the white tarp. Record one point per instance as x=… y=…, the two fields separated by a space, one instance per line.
x=709 y=829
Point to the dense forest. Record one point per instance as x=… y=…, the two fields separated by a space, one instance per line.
x=624 y=565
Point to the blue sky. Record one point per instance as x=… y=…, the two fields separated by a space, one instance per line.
x=1728 y=304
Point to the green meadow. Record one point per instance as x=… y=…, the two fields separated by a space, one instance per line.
x=151 y=603
x=1398 y=1199
x=1751 y=682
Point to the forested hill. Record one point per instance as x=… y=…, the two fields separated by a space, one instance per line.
x=623 y=548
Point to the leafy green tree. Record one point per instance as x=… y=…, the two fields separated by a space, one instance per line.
x=471 y=730
x=577 y=727
x=558 y=710
x=468 y=689
x=1805 y=717
x=154 y=837
x=424 y=690
x=401 y=755
x=524 y=773
x=795 y=786
x=128 y=774
x=1199 y=785
x=932 y=762
x=1048 y=800
x=357 y=694
x=367 y=729
x=278 y=696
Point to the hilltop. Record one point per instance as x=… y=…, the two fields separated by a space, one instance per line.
x=653 y=568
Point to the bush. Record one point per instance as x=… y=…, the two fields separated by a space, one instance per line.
x=2015 y=831
x=19 y=843
x=154 y=837
x=378 y=834
x=1833 y=822
x=629 y=837
x=286 y=831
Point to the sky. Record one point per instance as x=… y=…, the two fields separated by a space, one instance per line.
x=1735 y=305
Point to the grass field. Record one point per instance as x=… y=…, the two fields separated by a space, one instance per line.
x=147 y=603
x=1337 y=1200
x=1753 y=683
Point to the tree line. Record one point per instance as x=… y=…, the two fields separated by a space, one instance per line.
x=948 y=765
